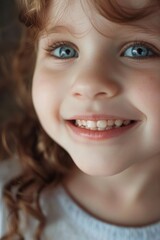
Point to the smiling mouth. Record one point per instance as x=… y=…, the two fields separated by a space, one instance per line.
x=101 y=125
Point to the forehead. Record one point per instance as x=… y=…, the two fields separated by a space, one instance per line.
x=71 y=14
x=79 y=16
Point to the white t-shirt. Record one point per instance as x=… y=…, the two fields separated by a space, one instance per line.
x=67 y=220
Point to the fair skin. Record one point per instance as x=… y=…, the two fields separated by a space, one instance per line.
x=117 y=178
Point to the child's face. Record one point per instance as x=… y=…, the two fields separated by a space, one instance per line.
x=82 y=74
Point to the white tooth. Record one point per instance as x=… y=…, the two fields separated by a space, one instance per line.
x=110 y=123
x=78 y=122
x=84 y=123
x=91 y=124
x=102 y=124
x=107 y=128
x=126 y=122
x=118 y=123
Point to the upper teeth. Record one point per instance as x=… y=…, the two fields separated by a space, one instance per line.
x=101 y=124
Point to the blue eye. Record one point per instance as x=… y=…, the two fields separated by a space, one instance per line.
x=64 y=52
x=138 y=51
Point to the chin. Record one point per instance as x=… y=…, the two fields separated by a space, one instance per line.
x=99 y=169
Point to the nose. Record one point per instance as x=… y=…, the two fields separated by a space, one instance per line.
x=94 y=83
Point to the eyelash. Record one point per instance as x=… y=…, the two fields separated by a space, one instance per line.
x=154 y=50
x=56 y=45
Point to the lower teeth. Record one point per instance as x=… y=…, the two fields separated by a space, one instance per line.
x=99 y=129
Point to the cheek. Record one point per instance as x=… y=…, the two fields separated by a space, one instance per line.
x=45 y=95
x=47 y=88
x=145 y=94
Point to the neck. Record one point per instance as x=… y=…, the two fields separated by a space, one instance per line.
x=132 y=183
x=132 y=191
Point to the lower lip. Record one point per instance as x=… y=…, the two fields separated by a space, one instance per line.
x=99 y=135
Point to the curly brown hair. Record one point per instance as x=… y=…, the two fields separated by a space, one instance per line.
x=43 y=162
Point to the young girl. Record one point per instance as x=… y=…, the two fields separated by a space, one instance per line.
x=86 y=165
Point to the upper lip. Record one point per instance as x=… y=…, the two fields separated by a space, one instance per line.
x=96 y=117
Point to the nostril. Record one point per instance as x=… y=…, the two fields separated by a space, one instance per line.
x=90 y=95
x=103 y=94
x=77 y=94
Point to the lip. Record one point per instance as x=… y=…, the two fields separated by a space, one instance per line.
x=96 y=135
x=96 y=117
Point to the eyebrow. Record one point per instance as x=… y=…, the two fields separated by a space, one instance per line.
x=150 y=31
x=153 y=32
x=61 y=29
